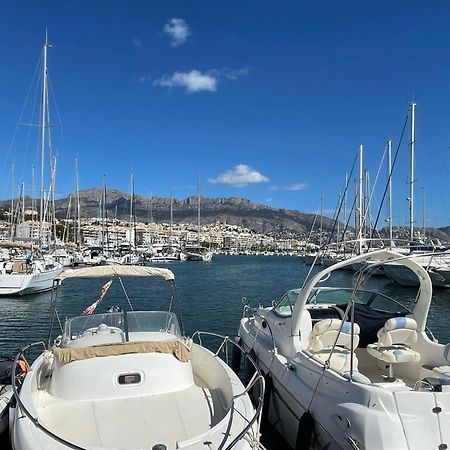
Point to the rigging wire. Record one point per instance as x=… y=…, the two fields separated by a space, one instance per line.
x=19 y=121
x=390 y=175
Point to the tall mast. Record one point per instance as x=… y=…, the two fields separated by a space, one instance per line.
x=43 y=119
x=12 y=202
x=423 y=213
x=33 y=193
x=23 y=202
x=78 y=213
x=389 y=145
x=321 y=221
x=105 y=213
x=132 y=218
x=345 y=198
x=198 y=210
x=411 y=176
x=360 y=199
x=171 y=223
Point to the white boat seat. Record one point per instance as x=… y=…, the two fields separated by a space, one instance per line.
x=444 y=370
x=323 y=337
x=394 y=341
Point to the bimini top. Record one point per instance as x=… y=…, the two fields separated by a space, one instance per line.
x=378 y=257
x=117 y=270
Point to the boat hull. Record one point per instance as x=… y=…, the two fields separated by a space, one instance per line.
x=24 y=284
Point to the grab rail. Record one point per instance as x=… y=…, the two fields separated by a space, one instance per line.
x=256 y=378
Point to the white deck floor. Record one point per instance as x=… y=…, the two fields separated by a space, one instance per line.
x=131 y=423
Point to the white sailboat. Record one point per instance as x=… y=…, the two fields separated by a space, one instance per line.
x=130 y=380
x=195 y=251
x=35 y=273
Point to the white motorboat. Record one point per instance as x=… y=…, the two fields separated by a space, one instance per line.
x=130 y=380
x=28 y=276
x=352 y=369
x=198 y=253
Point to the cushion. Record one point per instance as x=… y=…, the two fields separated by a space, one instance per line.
x=393 y=353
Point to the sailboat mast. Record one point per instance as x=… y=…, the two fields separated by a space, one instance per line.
x=77 y=187
x=198 y=210
x=33 y=190
x=411 y=176
x=389 y=145
x=43 y=119
x=423 y=213
x=171 y=223
x=321 y=221
x=360 y=199
x=12 y=202
x=132 y=218
x=23 y=202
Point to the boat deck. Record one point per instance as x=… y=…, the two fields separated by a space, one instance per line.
x=133 y=422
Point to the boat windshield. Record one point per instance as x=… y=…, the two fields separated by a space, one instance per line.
x=125 y=321
x=339 y=296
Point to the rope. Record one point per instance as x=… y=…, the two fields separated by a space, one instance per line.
x=125 y=292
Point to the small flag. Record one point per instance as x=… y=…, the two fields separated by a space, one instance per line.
x=103 y=290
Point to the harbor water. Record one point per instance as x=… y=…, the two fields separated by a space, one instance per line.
x=210 y=297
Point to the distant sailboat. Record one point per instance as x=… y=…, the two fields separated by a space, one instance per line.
x=195 y=251
x=32 y=273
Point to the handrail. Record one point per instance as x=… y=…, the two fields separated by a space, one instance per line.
x=257 y=378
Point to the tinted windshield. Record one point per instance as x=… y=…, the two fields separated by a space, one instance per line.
x=338 y=296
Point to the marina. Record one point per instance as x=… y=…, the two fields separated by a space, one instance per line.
x=224 y=226
x=210 y=298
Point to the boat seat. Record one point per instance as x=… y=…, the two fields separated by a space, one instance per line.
x=444 y=370
x=394 y=342
x=323 y=337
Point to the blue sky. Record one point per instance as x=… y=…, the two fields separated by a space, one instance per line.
x=264 y=100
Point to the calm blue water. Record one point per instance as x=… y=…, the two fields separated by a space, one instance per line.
x=209 y=294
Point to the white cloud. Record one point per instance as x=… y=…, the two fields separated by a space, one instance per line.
x=240 y=176
x=197 y=81
x=178 y=31
x=193 y=81
x=289 y=187
x=297 y=187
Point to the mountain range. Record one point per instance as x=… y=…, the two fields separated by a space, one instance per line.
x=232 y=211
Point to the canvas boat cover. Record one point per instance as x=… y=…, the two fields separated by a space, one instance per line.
x=179 y=349
x=117 y=270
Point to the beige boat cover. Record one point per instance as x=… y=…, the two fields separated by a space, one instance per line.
x=117 y=270
x=11 y=244
x=177 y=348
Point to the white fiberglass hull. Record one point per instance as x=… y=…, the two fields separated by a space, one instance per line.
x=191 y=256
x=185 y=418
x=378 y=416
x=22 y=284
x=405 y=277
